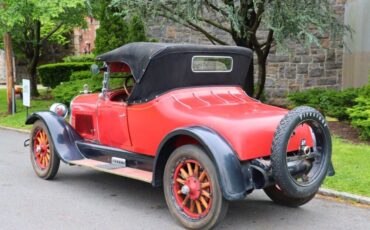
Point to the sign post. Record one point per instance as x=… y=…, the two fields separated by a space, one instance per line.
x=26 y=93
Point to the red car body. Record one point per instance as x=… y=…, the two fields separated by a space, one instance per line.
x=247 y=124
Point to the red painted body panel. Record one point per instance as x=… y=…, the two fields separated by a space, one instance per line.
x=248 y=125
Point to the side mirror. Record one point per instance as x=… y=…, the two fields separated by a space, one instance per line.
x=95 y=69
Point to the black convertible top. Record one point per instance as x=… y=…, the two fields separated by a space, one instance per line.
x=159 y=67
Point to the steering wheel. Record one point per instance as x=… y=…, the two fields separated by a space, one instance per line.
x=128 y=85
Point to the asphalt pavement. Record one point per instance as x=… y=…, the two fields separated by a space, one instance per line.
x=81 y=198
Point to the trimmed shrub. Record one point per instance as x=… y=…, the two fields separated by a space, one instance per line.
x=80 y=58
x=53 y=74
x=328 y=101
x=360 y=113
x=78 y=75
x=66 y=91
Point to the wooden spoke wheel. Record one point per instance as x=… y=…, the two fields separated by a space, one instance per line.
x=44 y=160
x=192 y=189
x=41 y=149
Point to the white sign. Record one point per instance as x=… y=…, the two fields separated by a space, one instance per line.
x=26 y=92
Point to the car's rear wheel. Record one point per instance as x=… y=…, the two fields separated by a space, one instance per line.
x=299 y=174
x=192 y=188
x=279 y=197
x=45 y=161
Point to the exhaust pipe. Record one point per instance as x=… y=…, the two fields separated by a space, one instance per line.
x=262 y=173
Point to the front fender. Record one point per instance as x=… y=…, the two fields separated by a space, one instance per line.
x=62 y=135
x=235 y=179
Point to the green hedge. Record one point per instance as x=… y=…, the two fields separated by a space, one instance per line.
x=330 y=102
x=80 y=58
x=53 y=74
x=78 y=75
x=350 y=104
x=66 y=91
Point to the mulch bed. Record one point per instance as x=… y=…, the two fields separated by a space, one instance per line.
x=344 y=130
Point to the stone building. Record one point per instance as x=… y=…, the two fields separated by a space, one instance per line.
x=83 y=38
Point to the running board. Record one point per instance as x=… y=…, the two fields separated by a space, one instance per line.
x=116 y=169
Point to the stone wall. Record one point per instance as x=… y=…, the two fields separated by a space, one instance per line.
x=299 y=69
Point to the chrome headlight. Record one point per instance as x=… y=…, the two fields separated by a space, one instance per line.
x=59 y=109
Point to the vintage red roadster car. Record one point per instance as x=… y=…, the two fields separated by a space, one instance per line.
x=182 y=121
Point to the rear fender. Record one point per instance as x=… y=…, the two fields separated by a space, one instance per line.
x=62 y=135
x=235 y=179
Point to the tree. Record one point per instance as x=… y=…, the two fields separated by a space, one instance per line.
x=114 y=30
x=283 y=20
x=33 y=23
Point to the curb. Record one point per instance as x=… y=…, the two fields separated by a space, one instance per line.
x=14 y=129
x=345 y=196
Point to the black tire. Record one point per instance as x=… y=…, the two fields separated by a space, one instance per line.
x=218 y=205
x=51 y=169
x=281 y=198
x=290 y=186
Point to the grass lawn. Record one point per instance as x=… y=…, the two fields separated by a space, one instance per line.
x=352 y=168
x=17 y=120
x=351 y=161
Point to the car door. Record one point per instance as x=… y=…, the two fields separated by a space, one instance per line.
x=112 y=124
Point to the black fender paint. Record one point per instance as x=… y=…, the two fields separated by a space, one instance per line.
x=62 y=134
x=235 y=178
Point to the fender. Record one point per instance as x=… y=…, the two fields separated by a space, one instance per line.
x=235 y=179
x=62 y=135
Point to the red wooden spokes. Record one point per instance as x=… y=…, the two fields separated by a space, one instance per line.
x=41 y=149
x=192 y=189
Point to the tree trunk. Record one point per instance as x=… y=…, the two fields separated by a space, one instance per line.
x=261 y=61
x=9 y=70
x=32 y=68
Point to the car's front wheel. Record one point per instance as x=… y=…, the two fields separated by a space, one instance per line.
x=45 y=161
x=192 y=188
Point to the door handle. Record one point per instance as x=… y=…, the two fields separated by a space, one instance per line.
x=122 y=115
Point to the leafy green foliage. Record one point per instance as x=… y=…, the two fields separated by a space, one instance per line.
x=136 y=30
x=33 y=24
x=80 y=58
x=114 y=30
x=328 y=101
x=360 y=113
x=78 y=75
x=53 y=74
x=66 y=91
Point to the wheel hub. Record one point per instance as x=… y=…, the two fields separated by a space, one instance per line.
x=194 y=187
x=38 y=149
x=185 y=190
